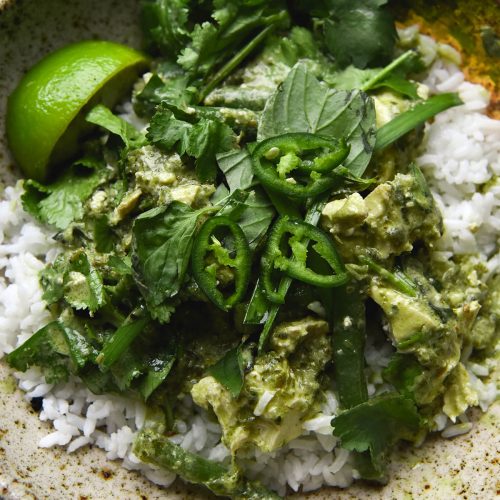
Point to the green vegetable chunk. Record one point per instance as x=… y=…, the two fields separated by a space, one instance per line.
x=151 y=447
x=348 y=341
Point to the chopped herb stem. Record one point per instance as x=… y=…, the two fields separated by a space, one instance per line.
x=398 y=279
x=234 y=62
x=387 y=70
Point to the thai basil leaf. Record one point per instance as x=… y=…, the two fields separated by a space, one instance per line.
x=57 y=349
x=360 y=32
x=257 y=217
x=253 y=211
x=237 y=167
x=45 y=348
x=158 y=368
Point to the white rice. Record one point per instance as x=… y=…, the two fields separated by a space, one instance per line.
x=462 y=153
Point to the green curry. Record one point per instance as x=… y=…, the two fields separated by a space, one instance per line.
x=299 y=135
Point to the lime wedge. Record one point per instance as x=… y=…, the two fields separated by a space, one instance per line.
x=45 y=113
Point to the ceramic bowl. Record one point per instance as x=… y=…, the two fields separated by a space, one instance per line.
x=465 y=467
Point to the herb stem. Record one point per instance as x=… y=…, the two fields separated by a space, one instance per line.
x=398 y=279
x=388 y=69
x=120 y=341
x=233 y=63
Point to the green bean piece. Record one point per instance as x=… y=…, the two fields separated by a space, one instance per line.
x=152 y=447
x=348 y=344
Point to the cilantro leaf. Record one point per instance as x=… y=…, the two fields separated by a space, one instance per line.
x=207 y=138
x=164 y=24
x=201 y=140
x=102 y=116
x=360 y=32
x=163 y=239
x=223 y=33
x=376 y=425
x=62 y=202
x=303 y=104
x=202 y=38
x=51 y=278
x=162 y=312
x=402 y=372
x=166 y=131
x=171 y=86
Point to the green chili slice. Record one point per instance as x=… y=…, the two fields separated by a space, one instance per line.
x=295 y=265
x=312 y=157
x=238 y=258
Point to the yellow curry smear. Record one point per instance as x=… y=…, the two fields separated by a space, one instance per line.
x=459 y=23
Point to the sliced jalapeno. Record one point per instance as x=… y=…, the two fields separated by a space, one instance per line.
x=312 y=156
x=295 y=264
x=204 y=271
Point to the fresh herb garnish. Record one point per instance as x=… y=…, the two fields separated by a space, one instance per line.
x=376 y=425
x=62 y=202
x=164 y=238
x=202 y=140
x=360 y=32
